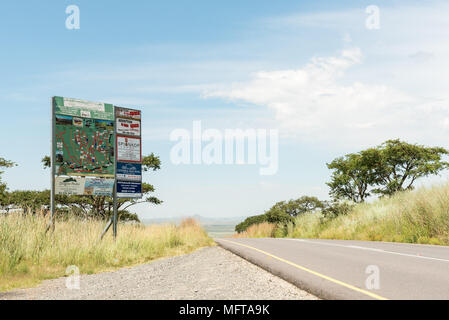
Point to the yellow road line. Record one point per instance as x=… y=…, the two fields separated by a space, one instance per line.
x=372 y=295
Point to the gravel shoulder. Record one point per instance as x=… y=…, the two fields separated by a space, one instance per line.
x=208 y=273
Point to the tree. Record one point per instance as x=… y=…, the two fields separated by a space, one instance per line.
x=403 y=163
x=4 y=164
x=102 y=206
x=241 y=227
x=299 y=206
x=391 y=167
x=354 y=175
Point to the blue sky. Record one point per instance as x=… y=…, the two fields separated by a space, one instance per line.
x=311 y=69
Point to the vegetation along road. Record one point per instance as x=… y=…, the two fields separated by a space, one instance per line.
x=347 y=269
x=208 y=273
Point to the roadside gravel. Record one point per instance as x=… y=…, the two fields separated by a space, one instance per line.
x=209 y=273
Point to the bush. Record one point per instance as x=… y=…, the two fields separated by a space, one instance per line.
x=273 y=216
x=241 y=227
x=336 y=209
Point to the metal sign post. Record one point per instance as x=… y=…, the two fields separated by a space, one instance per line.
x=114 y=194
x=52 y=166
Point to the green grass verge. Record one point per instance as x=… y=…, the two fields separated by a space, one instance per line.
x=28 y=255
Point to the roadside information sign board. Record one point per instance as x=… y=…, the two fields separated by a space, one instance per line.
x=129 y=153
x=96 y=150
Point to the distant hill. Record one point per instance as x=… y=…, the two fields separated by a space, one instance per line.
x=201 y=219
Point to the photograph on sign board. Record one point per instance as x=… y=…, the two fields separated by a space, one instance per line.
x=127 y=113
x=98 y=187
x=69 y=185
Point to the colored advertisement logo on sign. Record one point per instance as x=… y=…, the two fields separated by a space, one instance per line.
x=128 y=149
x=127 y=113
x=128 y=127
x=129 y=171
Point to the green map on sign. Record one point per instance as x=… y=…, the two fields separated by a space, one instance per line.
x=84 y=146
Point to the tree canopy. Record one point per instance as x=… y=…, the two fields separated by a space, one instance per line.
x=391 y=167
x=4 y=164
x=101 y=206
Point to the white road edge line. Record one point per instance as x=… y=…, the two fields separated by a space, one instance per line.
x=370 y=249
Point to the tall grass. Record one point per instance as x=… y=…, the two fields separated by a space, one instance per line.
x=28 y=254
x=261 y=230
x=420 y=216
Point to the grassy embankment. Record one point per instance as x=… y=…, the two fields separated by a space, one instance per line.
x=28 y=255
x=420 y=216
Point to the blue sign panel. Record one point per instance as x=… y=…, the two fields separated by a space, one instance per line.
x=129 y=171
x=128 y=189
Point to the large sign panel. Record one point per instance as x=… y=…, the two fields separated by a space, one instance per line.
x=87 y=159
x=84 y=186
x=129 y=171
x=128 y=149
x=127 y=189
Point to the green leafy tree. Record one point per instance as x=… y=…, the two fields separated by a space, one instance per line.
x=391 y=167
x=276 y=215
x=3 y=195
x=299 y=206
x=403 y=163
x=102 y=206
x=334 y=209
x=354 y=175
x=241 y=227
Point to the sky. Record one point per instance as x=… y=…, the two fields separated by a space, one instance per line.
x=313 y=70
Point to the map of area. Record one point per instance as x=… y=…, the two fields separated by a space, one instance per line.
x=84 y=146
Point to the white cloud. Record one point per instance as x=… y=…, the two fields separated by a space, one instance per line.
x=314 y=103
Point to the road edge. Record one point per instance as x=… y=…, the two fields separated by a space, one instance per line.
x=309 y=288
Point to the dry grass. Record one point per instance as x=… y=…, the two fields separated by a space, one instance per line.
x=420 y=216
x=261 y=230
x=29 y=255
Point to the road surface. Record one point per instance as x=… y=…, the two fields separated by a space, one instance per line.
x=346 y=269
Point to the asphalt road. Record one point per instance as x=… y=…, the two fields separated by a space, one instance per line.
x=346 y=269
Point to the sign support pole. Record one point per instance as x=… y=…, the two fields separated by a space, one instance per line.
x=115 y=211
x=114 y=195
x=53 y=167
